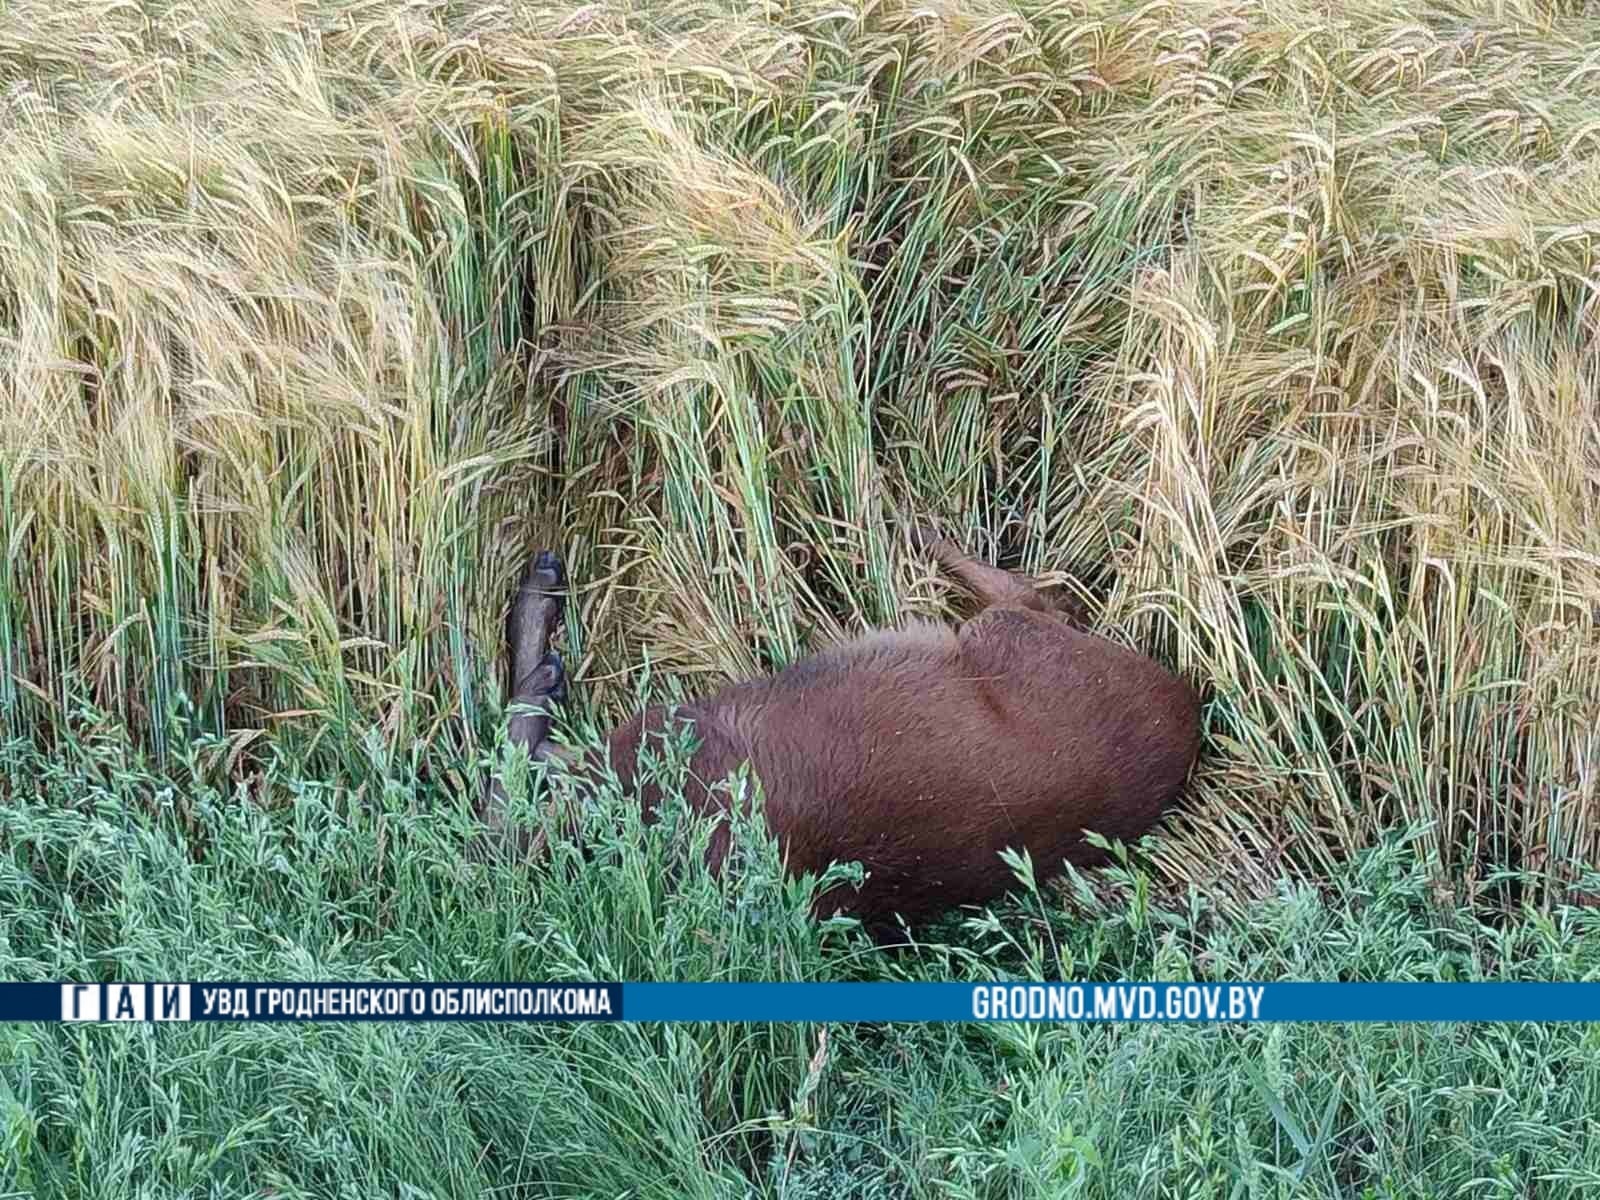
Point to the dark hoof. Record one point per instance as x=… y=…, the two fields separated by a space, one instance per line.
x=544 y=573
x=542 y=689
x=550 y=679
x=541 y=593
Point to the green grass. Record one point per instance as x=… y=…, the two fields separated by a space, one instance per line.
x=101 y=877
x=1268 y=328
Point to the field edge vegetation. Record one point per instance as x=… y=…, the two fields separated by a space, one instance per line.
x=94 y=883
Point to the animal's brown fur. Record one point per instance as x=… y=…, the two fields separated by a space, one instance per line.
x=920 y=752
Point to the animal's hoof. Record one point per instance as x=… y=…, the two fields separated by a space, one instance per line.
x=549 y=560
x=550 y=680
x=542 y=592
x=545 y=573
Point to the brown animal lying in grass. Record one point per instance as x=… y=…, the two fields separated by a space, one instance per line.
x=920 y=753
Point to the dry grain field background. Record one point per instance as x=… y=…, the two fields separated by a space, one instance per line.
x=1269 y=328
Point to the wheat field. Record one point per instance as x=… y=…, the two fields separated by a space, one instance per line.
x=1269 y=329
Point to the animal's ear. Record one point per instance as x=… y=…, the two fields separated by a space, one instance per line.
x=926 y=537
x=1061 y=598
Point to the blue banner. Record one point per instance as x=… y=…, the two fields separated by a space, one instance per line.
x=1148 y=1002
x=821 y=1002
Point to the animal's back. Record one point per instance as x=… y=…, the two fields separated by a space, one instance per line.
x=924 y=752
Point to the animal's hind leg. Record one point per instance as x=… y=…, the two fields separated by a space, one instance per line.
x=538 y=682
x=993 y=587
x=538 y=679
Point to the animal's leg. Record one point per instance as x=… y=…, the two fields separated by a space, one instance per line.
x=994 y=587
x=538 y=679
x=533 y=617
